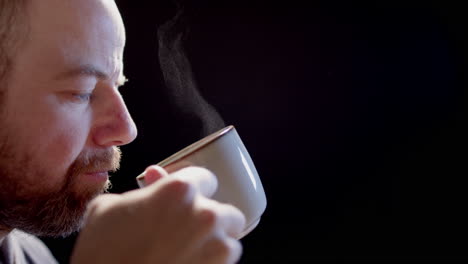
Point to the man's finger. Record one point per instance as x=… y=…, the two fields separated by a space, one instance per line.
x=202 y=179
x=150 y=175
x=228 y=217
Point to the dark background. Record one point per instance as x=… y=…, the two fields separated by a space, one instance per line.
x=353 y=111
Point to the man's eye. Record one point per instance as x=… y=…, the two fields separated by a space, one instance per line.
x=82 y=96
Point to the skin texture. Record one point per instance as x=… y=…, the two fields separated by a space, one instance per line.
x=63 y=119
x=62 y=114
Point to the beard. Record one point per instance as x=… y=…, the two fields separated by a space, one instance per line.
x=56 y=212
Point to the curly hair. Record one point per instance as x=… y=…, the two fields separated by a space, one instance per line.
x=13 y=27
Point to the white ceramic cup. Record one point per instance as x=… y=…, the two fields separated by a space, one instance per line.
x=224 y=154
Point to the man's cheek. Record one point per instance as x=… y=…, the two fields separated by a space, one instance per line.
x=62 y=152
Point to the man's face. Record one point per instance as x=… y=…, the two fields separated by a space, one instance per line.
x=62 y=116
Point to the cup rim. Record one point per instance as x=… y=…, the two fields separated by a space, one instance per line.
x=196 y=146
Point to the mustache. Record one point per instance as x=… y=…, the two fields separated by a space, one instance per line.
x=97 y=161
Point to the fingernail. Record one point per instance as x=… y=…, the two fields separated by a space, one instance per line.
x=141 y=180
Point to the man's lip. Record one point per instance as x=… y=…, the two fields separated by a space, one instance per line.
x=97 y=175
x=97 y=172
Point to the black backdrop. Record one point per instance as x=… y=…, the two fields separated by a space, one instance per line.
x=353 y=112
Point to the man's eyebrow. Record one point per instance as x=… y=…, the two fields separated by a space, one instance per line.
x=83 y=70
x=88 y=70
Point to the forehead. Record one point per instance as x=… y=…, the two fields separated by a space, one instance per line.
x=75 y=14
x=74 y=27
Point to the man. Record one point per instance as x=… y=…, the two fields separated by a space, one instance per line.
x=62 y=119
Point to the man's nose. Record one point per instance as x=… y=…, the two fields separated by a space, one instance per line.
x=114 y=126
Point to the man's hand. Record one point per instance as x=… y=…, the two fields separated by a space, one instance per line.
x=169 y=221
